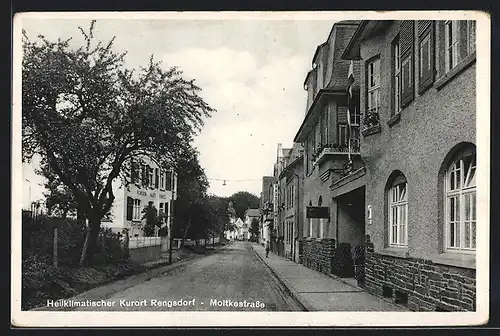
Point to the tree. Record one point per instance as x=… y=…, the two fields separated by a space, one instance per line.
x=88 y=117
x=192 y=185
x=59 y=199
x=243 y=200
x=152 y=218
x=219 y=216
x=254 y=228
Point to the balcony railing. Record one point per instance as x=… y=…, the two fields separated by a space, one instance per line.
x=335 y=149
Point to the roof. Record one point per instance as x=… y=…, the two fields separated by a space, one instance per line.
x=365 y=29
x=252 y=212
x=339 y=38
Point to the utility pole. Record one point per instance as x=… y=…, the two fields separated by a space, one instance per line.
x=171 y=221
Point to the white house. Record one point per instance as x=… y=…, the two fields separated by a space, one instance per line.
x=250 y=214
x=151 y=183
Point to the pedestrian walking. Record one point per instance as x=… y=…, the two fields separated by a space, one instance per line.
x=267 y=249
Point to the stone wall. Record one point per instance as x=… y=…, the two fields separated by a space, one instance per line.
x=424 y=286
x=145 y=254
x=318 y=254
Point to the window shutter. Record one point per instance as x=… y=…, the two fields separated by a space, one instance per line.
x=406 y=35
x=166 y=208
x=423 y=25
x=134 y=174
x=426 y=55
x=462 y=40
x=168 y=182
x=130 y=208
x=441 y=47
x=156 y=178
x=144 y=175
x=406 y=39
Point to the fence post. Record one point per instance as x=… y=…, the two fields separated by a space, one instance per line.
x=54 y=254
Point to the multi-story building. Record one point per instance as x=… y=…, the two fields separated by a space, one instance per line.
x=267 y=208
x=150 y=184
x=418 y=98
x=292 y=181
x=280 y=189
x=330 y=136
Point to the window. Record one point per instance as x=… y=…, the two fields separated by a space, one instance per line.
x=157 y=178
x=324 y=126
x=425 y=54
x=407 y=79
x=144 y=175
x=451 y=37
x=398 y=212
x=134 y=175
x=355 y=116
x=162 y=180
x=151 y=177
x=168 y=180
x=137 y=210
x=342 y=134
x=374 y=86
x=460 y=204
x=162 y=210
x=130 y=208
x=397 y=76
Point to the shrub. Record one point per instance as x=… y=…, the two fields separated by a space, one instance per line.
x=38 y=240
x=343 y=265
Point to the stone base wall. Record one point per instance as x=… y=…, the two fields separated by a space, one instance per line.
x=145 y=254
x=318 y=254
x=420 y=284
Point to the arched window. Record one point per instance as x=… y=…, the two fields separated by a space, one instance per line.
x=320 y=200
x=460 y=201
x=397 y=200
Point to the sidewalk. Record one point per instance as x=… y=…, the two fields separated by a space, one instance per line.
x=319 y=292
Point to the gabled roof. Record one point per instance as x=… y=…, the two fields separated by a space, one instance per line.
x=252 y=213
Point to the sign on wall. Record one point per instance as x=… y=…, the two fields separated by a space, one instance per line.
x=317 y=212
x=369 y=213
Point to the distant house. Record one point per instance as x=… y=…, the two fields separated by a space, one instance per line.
x=250 y=214
x=241 y=230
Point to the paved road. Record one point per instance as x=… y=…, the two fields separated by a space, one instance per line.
x=216 y=282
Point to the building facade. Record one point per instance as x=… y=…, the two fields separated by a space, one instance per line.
x=418 y=100
x=267 y=208
x=292 y=179
x=330 y=136
x=150 y=184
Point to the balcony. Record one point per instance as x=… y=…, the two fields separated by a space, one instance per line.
x=324 y=151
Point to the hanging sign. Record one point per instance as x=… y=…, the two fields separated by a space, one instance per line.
x=317 y=212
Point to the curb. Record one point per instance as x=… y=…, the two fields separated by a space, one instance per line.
x=100 y=293
x=295 y=296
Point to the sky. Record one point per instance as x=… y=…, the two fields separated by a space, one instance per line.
x=250 y=71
